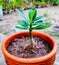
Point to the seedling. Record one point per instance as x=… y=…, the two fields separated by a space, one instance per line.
x=32 y=22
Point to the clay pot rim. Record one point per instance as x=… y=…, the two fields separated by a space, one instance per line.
x=30 y=60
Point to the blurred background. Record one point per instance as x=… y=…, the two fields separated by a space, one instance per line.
x=9 y=5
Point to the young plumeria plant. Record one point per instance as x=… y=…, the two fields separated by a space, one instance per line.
x=32 y=22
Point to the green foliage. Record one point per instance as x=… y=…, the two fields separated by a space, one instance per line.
x=1 y=2
x=41 y=26
x=38 y=0
x=22 y=14
x=19 y=3
x=12 y=4
x=38 y=3
x=32 y=22
x=37 y=18
x=40 y=22
x=4 y=32
x=23 y=24
x=32 y=14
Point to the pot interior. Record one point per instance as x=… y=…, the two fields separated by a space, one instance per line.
x=37 y=34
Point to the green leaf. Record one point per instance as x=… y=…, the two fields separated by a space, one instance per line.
x=21 y=13
x=40 y=22
x=47 y=25
x=42 y=26
x=37 y=18
x=5 y=32
x=19 y=27
x=23 y=23
x=32 y=14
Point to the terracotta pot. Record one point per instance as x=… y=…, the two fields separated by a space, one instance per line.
x=45 y=60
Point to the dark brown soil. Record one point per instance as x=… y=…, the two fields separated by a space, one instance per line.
x=17 y=48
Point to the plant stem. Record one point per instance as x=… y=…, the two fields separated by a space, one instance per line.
x=30 y=32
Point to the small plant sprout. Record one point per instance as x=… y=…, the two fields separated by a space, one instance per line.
x=32 y=22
